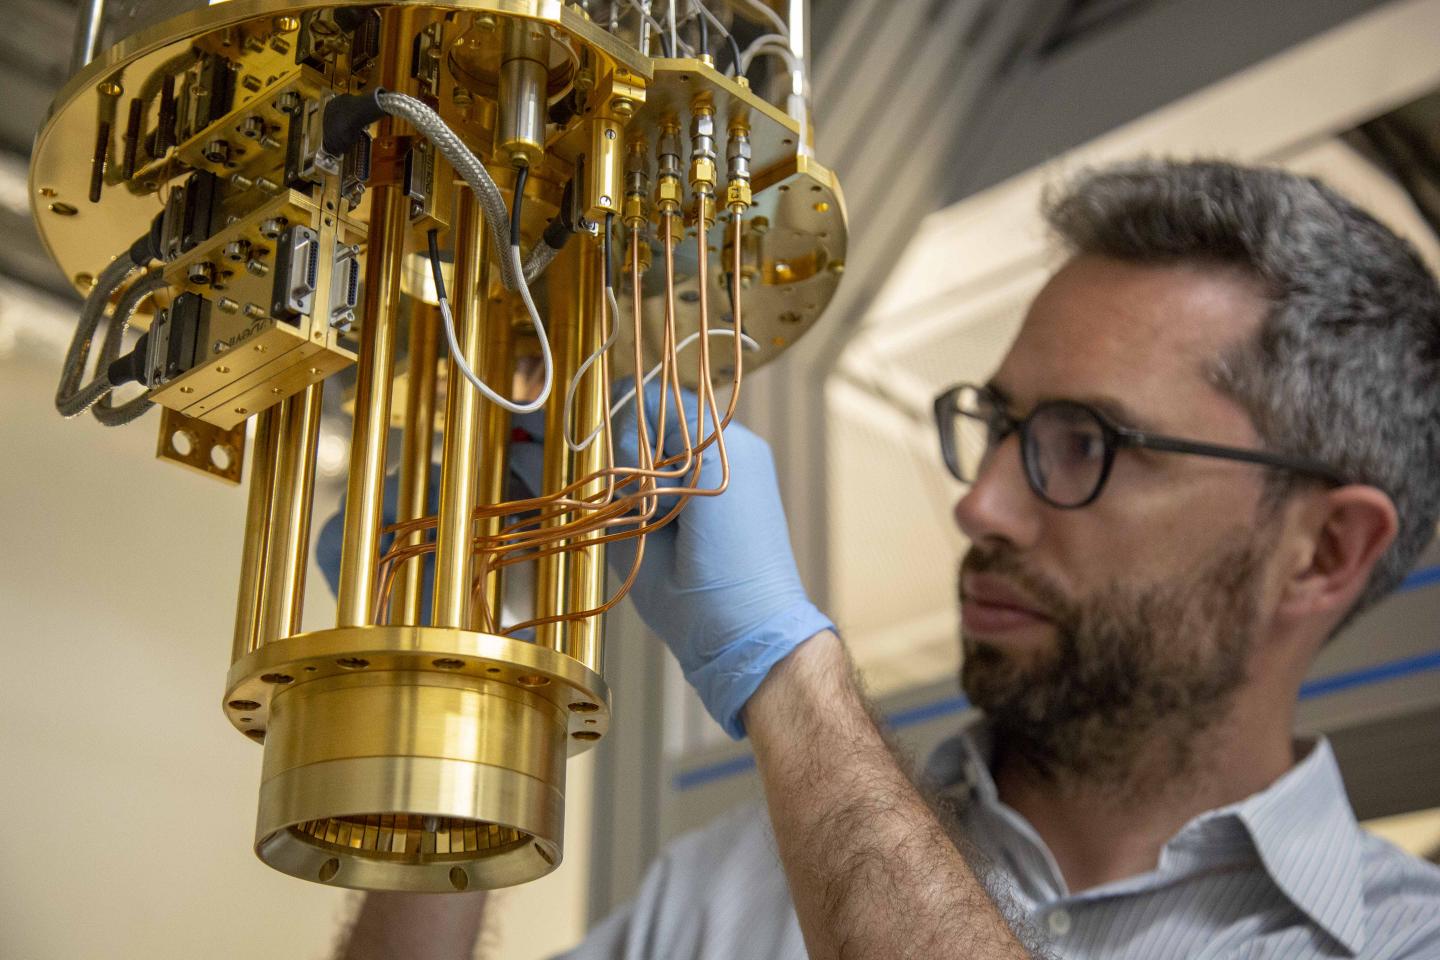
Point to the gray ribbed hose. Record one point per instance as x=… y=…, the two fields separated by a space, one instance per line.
x=471 y=170
x=140 y=291
x=71 y=399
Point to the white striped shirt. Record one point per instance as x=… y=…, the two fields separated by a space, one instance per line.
x=1286 y=874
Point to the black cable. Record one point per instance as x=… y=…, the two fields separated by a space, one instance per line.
x=522 y=174
x=704 y=22
x=665 y=44
x=430 y=236
x=734 y=52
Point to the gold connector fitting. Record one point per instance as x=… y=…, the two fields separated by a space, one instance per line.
x=634 y=212
x=668 y=195
x=704 y=210
x=738 y=196
x=702 y=173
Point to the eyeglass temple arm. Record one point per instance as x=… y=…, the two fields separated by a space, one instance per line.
x=1135 y=438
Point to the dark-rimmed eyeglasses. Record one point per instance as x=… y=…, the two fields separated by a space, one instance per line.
x=1068 y=447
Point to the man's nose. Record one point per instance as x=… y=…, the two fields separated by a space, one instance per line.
x=999 y=504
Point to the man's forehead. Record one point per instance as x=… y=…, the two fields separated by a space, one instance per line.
x=1129 y=338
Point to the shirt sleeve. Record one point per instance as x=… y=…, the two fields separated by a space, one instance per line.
x=715 y=894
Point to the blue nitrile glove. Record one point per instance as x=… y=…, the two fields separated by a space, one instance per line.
x=718 y=584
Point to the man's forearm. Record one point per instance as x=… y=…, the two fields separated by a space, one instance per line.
x=415 y=926
x=872 y=871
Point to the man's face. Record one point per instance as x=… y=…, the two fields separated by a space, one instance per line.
x=1084 y=629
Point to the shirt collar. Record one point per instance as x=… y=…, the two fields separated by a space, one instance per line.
x=1310 y=844
x=1301 y=826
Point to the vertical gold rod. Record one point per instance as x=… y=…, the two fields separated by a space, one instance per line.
x=385 y=248
x=494 y=453
x=364 y=492
x=415 y=459
x=455 y=530
x=587 y=564
x=249 y=606
x=287 y=548
x=565 y=281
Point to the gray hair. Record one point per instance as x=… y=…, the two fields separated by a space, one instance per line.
x=1346 y=366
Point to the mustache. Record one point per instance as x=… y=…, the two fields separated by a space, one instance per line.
x=1049 y=599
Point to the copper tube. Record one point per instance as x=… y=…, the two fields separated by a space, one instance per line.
x=287 y=548
x=249 y=606
x=458 y=473
x=419 y=436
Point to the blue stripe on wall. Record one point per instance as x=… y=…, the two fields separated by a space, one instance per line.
x=1319 y=687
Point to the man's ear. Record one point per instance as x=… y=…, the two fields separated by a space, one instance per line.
x=1347 y=531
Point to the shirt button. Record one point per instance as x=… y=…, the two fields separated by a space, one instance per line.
x=1059 y=922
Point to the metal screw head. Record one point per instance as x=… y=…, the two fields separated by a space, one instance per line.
x=237 y=250
x=609 y=134
x=254 y=311
x=216 y=151
x=288 y=102
x=200 y=272
x=258 y=268
x=252 y=128
x=272 y=227
x=227 y=305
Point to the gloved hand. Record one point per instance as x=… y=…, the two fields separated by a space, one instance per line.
x=719 y=584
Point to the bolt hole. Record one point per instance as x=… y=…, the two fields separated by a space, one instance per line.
x=311 y=669
x=48 y=192
x=459 y=879
x=353 y=663
x=584 y=707
x=277 y=678
x=247 y=719
x=222 y=457
x=585 y=735
x=110 y=88
x=592 y=723
x=257 y=735
x=492 y=669
x=544 y=856
x=243 y=705
x=822 y=207
x=690 y=296
x=328 y=869
x=447 y=663
x=532 y=680
x=62 y=209
x=182 y=442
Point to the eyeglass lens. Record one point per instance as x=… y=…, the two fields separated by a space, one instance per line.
x=1063 y=446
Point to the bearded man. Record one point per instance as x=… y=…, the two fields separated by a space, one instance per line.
x=1211 y=445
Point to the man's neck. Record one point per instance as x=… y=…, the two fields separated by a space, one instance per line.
x=1105 y=825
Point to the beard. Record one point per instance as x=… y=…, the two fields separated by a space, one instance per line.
x=1135 y=670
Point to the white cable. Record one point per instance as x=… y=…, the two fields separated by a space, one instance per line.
x=674 y=34
x=629 y=395
x=662 y=32
x=775 y=19
x=580 y=373
x=774 y=45
x=535 y=321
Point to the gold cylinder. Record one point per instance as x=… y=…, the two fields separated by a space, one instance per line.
x=365 y=489
x=384 y=257
x=415 y=459
x=586 y=578
x=249 y=607
x=520 y=132
x=564 y=280
x=454 y=533
x=287 y=547
x=494 y=458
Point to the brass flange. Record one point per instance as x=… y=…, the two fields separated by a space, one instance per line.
x=413 y=758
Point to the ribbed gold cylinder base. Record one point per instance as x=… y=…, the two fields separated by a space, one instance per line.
x=419 y=759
